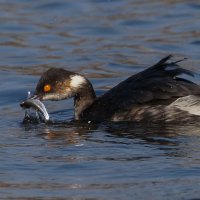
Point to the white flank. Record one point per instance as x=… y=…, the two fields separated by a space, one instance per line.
x=77 y=81
x=190 y=103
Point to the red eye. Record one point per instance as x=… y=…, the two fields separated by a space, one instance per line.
x=47 y=88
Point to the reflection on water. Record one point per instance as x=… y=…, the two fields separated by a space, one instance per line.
x=107 y=41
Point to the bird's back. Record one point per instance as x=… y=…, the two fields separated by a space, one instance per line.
x=143 y=95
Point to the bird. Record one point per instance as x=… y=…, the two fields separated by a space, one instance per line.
x=158 y=93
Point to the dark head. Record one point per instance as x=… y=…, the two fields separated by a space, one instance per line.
x=58 y=84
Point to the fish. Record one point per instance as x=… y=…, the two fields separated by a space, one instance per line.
x=35 y=104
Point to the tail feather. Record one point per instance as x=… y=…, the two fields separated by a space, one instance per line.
x=174 y=69
x=162 y=61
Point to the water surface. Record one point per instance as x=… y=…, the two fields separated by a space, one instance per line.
x=105 y=40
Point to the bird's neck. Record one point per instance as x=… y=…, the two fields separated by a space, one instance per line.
x=83 y=99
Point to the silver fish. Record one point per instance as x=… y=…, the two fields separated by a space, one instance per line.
x=35 y=104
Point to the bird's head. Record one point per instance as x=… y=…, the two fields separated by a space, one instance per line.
x=58 y=84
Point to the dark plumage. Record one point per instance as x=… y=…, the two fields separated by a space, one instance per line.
x=143 y=96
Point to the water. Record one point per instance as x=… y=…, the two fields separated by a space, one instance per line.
x=105 y=40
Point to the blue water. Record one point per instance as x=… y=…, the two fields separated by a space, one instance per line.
x=107 y=41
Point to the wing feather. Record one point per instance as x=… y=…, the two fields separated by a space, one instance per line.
x=158 y=84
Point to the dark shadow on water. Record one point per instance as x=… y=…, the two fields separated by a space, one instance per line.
x=165 y=134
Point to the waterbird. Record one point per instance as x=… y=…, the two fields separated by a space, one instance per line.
x=158 y=93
